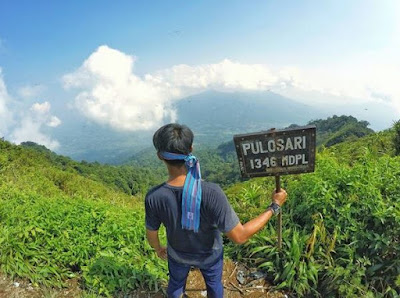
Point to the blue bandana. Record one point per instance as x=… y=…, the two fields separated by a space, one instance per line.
x=191 y=195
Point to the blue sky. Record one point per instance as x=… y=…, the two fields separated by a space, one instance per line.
x=47 y=38
x=310 y=50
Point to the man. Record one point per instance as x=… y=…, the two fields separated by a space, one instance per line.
x=194 y=213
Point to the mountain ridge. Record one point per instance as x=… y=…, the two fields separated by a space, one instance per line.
x=212 y=115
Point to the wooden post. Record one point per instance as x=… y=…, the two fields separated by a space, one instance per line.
x=279 y=223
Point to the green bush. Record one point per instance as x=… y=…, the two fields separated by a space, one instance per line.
x=341 y=229
x=48 y=240
x=396 y=138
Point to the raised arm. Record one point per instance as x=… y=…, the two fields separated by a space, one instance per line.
x=241 y=233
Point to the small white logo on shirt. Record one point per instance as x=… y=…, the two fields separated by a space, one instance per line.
x=190 y=215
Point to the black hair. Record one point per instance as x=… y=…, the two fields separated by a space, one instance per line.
x=174 y=138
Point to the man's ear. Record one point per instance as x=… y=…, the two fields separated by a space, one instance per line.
x=191 y=149
x=159 y=156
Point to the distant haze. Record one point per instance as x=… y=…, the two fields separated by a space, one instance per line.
x=213 y=116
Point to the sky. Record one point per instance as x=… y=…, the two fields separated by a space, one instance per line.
x=123 y=64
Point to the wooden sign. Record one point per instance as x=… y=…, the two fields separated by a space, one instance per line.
x=276 y=152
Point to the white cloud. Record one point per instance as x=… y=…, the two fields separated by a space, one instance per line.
x=5 y=115
x=31 y=91
x=30 y=130
x=367 y=78
x=226 y=76
x=357 y=81
x=112 y=94
x=54 y=121
x=30 y=126
x=41 y=108
x=20 y=126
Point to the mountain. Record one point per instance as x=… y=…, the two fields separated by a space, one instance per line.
x=337 y=129
x=82 y=139
x=217 y=116
x=213 y=116
x=330 y=131
x=219 y=163
x=59 y=169
x=379 y=144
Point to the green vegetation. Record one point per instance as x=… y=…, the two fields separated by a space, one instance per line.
x=337 y=129
x=56 y=224
x=217 y=165
x=61 y=219
x=379 y=144
x=396 y=137
x=129 y=179
x=50 y=239
x=341 y=228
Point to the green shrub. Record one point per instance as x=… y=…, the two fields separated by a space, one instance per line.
x=49 y=240
x=341 y=228
x=396 y=138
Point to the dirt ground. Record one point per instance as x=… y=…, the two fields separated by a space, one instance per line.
x=22 y=289
x=195 y=287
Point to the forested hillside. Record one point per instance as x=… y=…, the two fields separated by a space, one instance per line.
x=220 y=164
x=216 y=165
x=62 y=219
x=131 y=180
x=337 y=129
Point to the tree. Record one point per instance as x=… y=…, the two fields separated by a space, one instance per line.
x=396 y=139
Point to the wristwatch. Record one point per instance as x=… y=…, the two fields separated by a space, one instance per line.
x=275 y=208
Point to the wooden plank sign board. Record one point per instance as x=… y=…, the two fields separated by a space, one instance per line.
x=276 y=152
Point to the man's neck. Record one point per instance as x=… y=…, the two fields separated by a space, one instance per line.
x=177 y=175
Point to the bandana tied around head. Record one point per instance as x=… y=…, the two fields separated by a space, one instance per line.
x=191 y=195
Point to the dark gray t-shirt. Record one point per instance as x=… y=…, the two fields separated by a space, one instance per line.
x=164 y=205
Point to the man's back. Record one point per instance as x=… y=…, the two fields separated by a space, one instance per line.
x=164 y=205
x=194 y=239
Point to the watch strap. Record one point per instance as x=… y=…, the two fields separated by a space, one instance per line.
x=275 y=208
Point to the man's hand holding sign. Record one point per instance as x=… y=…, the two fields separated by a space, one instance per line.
x=275 y=153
